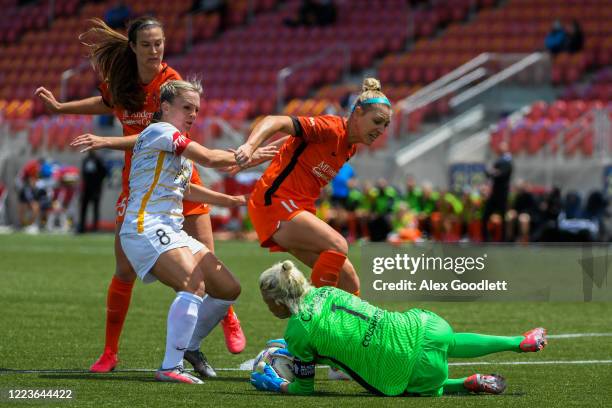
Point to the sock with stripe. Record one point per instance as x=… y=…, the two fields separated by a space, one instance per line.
x=326 y=270
x=182 y=319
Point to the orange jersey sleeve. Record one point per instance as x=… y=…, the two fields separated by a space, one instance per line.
x=306 y=162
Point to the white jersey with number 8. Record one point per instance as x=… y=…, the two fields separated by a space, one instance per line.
x=154 y=214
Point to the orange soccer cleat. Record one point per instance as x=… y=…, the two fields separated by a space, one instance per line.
x=106 y=363
x=234 y=336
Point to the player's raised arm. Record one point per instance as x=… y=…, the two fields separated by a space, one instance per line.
x=89 y=141
x=88 y=106
x=221 y=158
x=202 y=194
x=265 y=129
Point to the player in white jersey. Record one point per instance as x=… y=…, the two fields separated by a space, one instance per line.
x=152 y=235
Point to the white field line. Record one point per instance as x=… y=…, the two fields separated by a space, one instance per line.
x=245 y=366
x=466 y=363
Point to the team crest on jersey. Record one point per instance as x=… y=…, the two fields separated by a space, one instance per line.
x=184 y=175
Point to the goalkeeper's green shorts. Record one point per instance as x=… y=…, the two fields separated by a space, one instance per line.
x=431 y=368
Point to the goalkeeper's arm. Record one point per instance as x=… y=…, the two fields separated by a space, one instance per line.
x=304 y=379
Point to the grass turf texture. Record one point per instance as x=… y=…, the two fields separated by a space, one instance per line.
x=53 y=306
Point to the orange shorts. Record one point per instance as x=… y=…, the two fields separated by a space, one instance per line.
x=266 y=219
x=189 y=207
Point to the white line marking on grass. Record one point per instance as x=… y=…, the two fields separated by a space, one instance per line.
x=542 y=362
x=246 y=365
x=575 y=335
x=463 y=363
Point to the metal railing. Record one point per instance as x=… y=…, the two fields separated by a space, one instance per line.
x=471 y=80
x=286 y=72
x=66 y=75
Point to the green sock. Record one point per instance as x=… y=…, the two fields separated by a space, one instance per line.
x=469 y=345
x=454 y=386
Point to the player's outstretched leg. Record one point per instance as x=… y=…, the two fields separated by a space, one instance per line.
x=199 y=226
x=223 y=288
x=477 y=383
x=117 y=305
x=182 y=318
x=469 y=345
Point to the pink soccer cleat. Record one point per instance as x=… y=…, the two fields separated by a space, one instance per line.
x=234 y=336
x=489 y=384
x=535 y=340
x=106 y=363
x=177 y=374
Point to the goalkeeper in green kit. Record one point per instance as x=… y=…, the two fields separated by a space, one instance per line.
x=388 y=353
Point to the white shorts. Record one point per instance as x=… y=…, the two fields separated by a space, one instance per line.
x=142 y=250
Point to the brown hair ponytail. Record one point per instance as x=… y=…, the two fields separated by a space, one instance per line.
x=111 y=55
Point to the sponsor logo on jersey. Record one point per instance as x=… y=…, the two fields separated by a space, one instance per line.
x=367 y=338
x=324 y=171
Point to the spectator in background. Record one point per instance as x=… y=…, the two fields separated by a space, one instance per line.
x=574 y=41
x=497 y=203
x=314 y=13
x=523 y=213
x=556 y=38
x=93 y=172
x=384 y=197
x=550 y=210
x=118 y=15
x=339 y=184
x=28 y=208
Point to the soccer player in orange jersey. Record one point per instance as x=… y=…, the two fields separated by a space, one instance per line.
x=282 y=205
x=133 y=72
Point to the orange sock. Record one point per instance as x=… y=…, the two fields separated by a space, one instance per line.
x=230 y=310
x=117 y=304
x=326 y=270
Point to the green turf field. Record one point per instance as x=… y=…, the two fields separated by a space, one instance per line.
x=52 y=322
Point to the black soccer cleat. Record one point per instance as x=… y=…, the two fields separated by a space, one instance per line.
x=200 y=364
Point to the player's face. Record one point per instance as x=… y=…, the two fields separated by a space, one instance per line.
x=280 y=311
x=149 y=47
x=371 y=123
x=182 y=112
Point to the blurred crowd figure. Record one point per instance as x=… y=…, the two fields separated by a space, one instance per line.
x=564 y=39
x=118 y=15
x=93 y=172
x=500 y=174
x=45 y=192
x=381 y=212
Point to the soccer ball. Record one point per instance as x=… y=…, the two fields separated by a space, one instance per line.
x=283 y=365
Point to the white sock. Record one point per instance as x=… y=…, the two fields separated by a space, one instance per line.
x=182 y=318
x=212 y=311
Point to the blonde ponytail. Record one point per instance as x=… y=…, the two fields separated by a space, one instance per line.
x=284 y=284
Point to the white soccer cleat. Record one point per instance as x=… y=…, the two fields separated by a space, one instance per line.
x=177 y=374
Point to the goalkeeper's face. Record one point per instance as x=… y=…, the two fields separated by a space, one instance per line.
x=279 y=310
